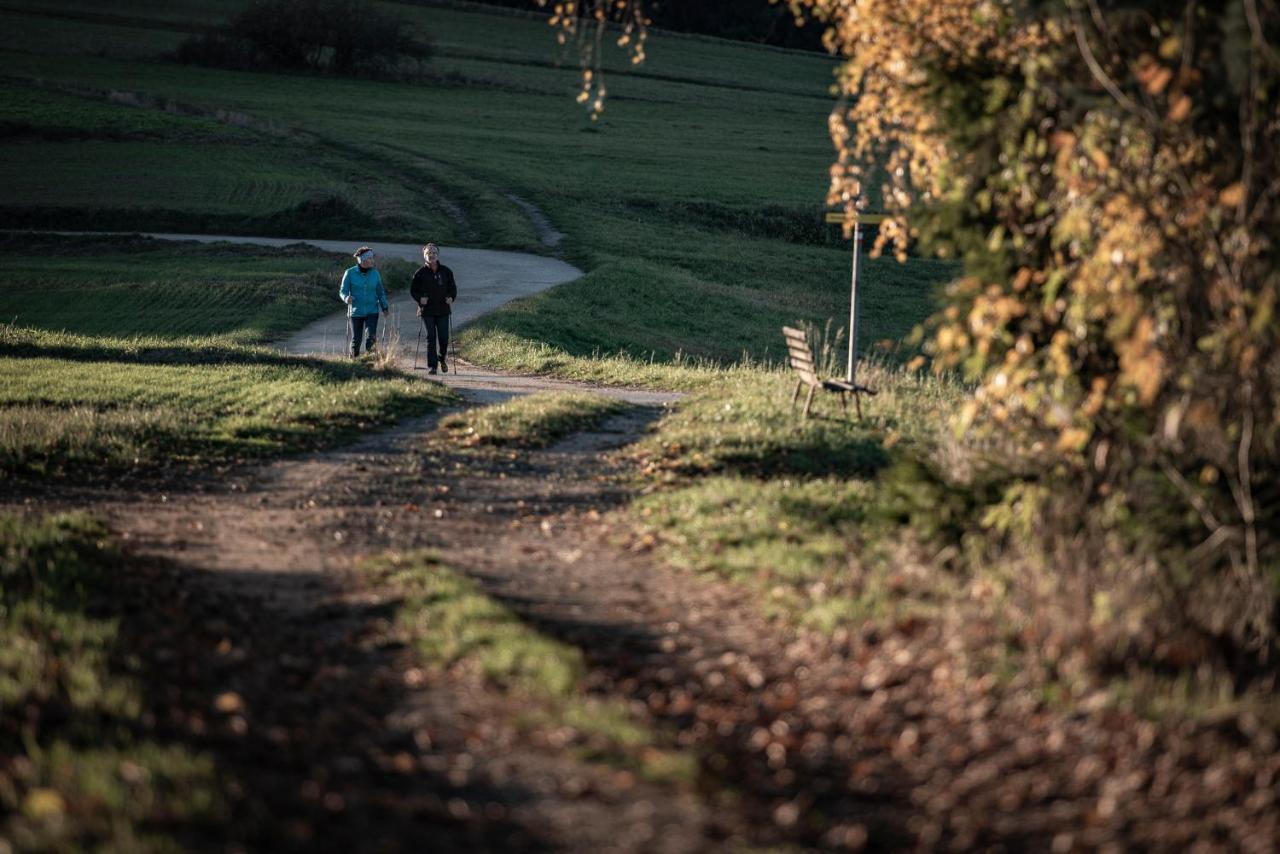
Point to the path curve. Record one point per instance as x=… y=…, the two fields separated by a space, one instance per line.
x=487 y=279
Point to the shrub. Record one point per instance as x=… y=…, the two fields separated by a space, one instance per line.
x=348 y=37
x=1106 y=173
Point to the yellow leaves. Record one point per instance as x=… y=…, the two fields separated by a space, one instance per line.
x=1059 y=354
x=1141 y=364
x=1097 y=397
x=1022 y=280
x=1072 y=440
x=43 y=804
x=229 y=703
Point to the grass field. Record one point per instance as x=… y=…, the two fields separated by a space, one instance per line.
x=131 y=286
x=129 y=353
x=698 y=221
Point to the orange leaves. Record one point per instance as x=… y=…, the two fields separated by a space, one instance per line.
x=1179 y=108
x=1142 y=365
x=1153 y=76
x=585 y=23
x=1232 y=196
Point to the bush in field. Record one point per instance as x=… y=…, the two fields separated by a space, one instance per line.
x=1107 y=172
x=350 y=37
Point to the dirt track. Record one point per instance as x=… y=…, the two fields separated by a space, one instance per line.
x=876 y=737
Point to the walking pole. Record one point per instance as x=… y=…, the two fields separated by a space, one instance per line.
x=416 y=345
x=449 y=323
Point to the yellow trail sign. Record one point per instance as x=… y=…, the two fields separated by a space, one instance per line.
x=839 y=218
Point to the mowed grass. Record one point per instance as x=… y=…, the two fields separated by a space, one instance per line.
x=126 y=286
x=70 y=402
x=80 y=774
x=453 y=624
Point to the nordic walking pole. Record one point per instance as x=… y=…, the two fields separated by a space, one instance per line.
x=449 y=322
x=416 y=345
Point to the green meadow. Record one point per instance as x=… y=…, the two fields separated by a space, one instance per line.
x=694 y=205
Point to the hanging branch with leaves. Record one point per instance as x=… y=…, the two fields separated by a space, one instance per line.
x=585 y=25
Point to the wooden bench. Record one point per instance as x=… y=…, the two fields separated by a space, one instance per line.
x=802 y=361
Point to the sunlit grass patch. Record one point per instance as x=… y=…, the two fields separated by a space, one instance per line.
x=509 y=352
x=452 y=623
x=801 y=545
x=530 y=421
x=70 y=402
x=747 y=423
x=77 y=775
x=745 y=487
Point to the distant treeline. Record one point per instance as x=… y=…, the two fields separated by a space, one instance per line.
x=756 y=21
x=345 y=37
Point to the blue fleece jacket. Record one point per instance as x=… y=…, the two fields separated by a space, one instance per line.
x=366 y=290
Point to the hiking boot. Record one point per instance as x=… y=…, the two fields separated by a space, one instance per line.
x=431 y=371
x=444 y=366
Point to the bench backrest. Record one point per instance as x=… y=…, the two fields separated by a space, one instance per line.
x=801 y=355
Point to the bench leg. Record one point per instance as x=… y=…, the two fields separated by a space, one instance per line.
x=795 y=394
x=808 y=401
x=844 y=403
x=857 y=403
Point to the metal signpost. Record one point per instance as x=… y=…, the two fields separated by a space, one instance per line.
x=858 y=219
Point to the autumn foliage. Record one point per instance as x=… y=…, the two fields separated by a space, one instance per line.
x=1109 y=172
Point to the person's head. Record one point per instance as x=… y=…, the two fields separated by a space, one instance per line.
x=431 y=253
x=364 y=257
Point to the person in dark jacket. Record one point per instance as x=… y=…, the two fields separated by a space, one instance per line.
x=434 y=290
x=363 y=292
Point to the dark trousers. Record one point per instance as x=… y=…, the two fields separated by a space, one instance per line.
x=437 y=334
x=368 y=328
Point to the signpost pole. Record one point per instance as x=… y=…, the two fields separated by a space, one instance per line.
x=853 y=302
x=858 y=218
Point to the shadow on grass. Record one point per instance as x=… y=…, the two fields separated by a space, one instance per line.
x=722 y=722
x=177 y=355
x=285 y=695
x=329 y=216
x=857 y=457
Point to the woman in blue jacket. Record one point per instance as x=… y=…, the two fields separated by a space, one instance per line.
x=365 y=296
